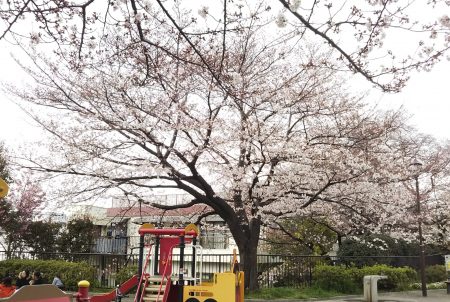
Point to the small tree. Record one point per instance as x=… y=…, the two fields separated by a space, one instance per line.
x=301 y=236
x=4 y=169
x=18 y=210
x=5 y=207
x=78 y=236
x=359 y=249
x=42 y=237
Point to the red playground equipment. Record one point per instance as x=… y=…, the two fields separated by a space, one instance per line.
x=158 y=283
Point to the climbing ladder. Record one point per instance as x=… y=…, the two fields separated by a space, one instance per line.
x=154 y=288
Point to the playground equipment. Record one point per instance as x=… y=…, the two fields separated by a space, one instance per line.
x=124 y=288
x=39 y=293
x=158 y=283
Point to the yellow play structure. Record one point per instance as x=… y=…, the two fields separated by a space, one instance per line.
x=158 y=283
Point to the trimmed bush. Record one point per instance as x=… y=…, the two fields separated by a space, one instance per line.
x=337 y=278
x=70 y=272
x=126 y=273
x=350 y=280
x=399 y=278
x=434 y=285
x=435 y=273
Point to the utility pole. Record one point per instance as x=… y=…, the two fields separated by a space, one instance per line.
x=417 y=166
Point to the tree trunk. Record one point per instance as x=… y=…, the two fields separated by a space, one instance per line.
x=248 y=251
x=8 y=248
x=250 y=265
x=246 y=235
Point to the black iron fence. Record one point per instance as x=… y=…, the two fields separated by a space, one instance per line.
x=273 y=270
x=298 y=270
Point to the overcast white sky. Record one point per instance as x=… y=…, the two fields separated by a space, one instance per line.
x=427 y=98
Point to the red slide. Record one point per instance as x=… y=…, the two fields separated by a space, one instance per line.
x=125 y=288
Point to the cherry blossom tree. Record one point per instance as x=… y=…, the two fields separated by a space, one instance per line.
x=284 y=140
x=361 y=34
x=17 y=212
x=243 y=105
x=432 y=188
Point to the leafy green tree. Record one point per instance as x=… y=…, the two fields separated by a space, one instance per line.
x=9 y=227
x=5 y=207
x=358 y=250
x=4 y=169
x=78 y=236
x=42 y=237
x=301 y=236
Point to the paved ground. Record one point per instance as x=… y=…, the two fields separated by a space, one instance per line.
x=437 y=295
x=410 y=296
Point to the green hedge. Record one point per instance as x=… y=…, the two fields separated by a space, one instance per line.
x=436 y=273
x=126 y=273
x=70 y=272
x=350 y=279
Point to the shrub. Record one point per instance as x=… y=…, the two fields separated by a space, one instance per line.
x=126 y=273
x=399 y=278
x=350 y=280
x=338 y=278
x=435 y=285
x=435 y=273
x=70 y=272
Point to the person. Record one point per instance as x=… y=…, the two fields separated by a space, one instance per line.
x=22 y=280
x=36 y=279
x=57 y=282
x=6 y=287
x=118 y=294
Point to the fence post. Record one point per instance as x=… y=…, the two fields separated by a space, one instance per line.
x=268 y=270
x=310 y=272
x=102 y=269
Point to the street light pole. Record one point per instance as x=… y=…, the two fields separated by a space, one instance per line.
x=421 y=246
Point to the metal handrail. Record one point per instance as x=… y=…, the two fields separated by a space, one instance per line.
x=143 y=273
x=165 y=271
x=199 y=260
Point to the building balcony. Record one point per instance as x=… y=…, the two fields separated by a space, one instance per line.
x=110 y=245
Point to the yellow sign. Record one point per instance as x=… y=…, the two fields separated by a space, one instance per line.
x=191 y=227
x=147 y=226
x=3 y=188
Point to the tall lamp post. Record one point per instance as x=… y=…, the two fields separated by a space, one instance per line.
x=417 y=166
